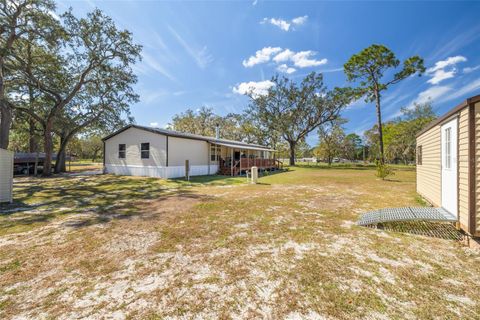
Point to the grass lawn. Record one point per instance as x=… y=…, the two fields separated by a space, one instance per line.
x=215 y=247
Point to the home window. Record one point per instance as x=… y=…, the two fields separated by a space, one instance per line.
x=448 y=148
x=145 y=150
x=121 y=151
x=419 y=155
x=215 y=153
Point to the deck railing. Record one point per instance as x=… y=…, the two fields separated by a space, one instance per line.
x=261 y=163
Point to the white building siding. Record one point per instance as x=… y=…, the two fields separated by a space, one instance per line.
x=179 y=150
x=6 y=175
x=133 y=138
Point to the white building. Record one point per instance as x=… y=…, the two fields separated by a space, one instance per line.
x=144 y=151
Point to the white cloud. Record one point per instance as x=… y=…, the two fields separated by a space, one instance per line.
x=285 y=55
x=154 y=124
x=450 y=61
x=259 y=88
x=299 y=20
x=286 y=69
x=261 y=56
x=282 y=24
x=438 y=72
x=441 y=75
x=202 y=57
x=153 y=64
x=432 y=93
x=301 y=59
x=462 y=91
x=285 y=24
x=470 y=69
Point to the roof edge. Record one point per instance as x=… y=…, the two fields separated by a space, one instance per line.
x=183 y=135
x=447 y=115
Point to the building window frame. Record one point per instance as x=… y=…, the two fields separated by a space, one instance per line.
x=145 y=150
x=419 y=155
x=215 y=152
x=122 y=150
x=448 y=148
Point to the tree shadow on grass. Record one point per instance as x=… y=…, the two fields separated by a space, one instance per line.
x=361 y=167
x=339 y=167
x=101 y=198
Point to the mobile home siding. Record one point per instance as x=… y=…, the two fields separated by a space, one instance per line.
x=6 y=175
x=463 y=168
x=429 y=172
x=179 y=150
x=477 y=166
x=132 y=138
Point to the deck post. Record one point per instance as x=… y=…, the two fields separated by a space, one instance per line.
x=231 y=162
x=240 y=162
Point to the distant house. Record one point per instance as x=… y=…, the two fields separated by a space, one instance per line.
x=145 y=151
x=448 y=163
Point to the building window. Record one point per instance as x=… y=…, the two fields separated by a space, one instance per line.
x=419 y=155
x=448 y=148
x=145 y=150
x=121 y=151
x=215 y=152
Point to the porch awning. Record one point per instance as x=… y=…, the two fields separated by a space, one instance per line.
x=241 y=146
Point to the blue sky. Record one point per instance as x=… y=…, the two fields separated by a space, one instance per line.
x=207 y=53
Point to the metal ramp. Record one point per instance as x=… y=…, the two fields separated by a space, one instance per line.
x=406 y=214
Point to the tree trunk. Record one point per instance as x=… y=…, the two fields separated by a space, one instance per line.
x=95 y=155
x=60 y=165
x=292 y=152
x=32 y=138
x=32 y=142
x=380 y=130
x=5 y=111
x=48 y=146
x=5 y=123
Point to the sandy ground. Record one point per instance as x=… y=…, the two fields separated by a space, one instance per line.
x=236 y=252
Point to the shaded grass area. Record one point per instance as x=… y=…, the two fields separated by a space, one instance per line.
x=38 y=201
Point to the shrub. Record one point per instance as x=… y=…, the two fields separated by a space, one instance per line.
x=383 y=170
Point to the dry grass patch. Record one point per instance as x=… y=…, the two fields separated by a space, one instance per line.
x=286 y=248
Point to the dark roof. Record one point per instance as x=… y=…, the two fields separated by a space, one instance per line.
x=177 y=134
x=23 y=157
x=450 y=113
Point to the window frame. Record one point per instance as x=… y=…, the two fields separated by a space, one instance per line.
x=143 y=150
x=122 y=152
x=215 y=152
x=419 y=155
x=448 y=148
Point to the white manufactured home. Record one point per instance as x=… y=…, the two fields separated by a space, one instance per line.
x=144 y=151
x=448 y=163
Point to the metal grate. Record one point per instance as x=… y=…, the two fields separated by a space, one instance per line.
x=406 y=214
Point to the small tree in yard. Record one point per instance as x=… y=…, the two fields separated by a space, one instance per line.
x=332 y=139
x=294 y=110
x=368 y=67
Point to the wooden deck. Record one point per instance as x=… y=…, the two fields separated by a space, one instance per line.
x=243 y=165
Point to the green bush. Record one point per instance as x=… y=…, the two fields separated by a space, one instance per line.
x=383 y=170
